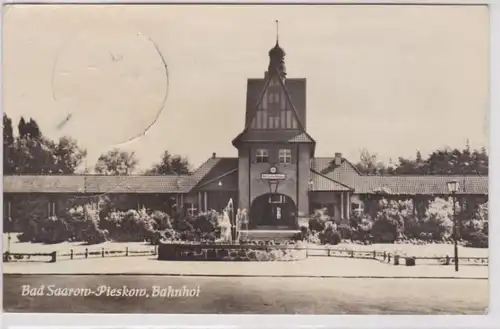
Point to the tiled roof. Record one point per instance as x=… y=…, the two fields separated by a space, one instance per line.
x=422 y=184
x=323 y=183
x=189 y=182
x=38 y=183
x=408 y=185
x=323 y=176
x=92 y=184
x=132 y=184
x=220 y=168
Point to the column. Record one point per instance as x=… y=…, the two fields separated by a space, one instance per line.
x=206 y=201
x=414 y=201
x=9 y=214
x=348 y=205
x=199 y=202
x=341 y=205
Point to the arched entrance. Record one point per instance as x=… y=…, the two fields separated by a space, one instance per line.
x=273 y=210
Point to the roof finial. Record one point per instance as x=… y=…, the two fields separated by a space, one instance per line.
x=277 y=31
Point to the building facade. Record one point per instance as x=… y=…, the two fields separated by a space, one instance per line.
x=276 y=176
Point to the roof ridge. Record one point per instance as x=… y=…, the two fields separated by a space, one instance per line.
x=331 y=179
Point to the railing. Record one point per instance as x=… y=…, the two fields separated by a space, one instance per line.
x=385 y=257
x=54 y=256
x=396 y=259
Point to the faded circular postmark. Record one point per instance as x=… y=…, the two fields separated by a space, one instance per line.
x=112 y=85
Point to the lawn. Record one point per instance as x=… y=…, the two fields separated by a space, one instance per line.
x=257 y=295
x=65 y=247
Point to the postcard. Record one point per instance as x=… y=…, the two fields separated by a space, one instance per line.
x=245 y=159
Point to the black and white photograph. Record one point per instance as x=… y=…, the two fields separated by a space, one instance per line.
x=246 y=159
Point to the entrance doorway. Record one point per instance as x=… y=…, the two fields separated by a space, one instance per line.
x=273 y=211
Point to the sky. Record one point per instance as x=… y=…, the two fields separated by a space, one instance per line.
x=391 y=79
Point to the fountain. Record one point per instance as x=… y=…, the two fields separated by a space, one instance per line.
x=232 y=245
x=225 y=227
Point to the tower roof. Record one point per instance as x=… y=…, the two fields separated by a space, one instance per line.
x=277 y=51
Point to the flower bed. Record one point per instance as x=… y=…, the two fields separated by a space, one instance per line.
x=230 y=252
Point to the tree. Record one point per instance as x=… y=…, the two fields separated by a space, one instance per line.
x=171 y=165
x=68 y=156
x=8 y=144
x=411 y=167
x=32 y=153
x=446 y=161
x=116 y=162
x=33 y=156
x=456 y=161
x=369 y=164
x=29 y=129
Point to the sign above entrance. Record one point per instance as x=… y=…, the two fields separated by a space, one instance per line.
x=273 y=174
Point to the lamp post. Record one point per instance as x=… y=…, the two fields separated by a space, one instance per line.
x=453 y=189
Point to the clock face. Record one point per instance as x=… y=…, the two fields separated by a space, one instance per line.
x=273 y=170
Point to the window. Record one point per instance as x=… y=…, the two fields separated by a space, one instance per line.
x=262 y=156
x=274 y=98
x=285 y=156
x=357 y=208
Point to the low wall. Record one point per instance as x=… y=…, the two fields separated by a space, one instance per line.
x=229 y=252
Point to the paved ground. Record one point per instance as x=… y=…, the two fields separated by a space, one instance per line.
x=255 y=295
x=311 y=267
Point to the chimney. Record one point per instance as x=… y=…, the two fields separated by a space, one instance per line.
x=214 y=155
x=338 y=159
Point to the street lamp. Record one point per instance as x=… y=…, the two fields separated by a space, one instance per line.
x=453 y=189
x=273 y=186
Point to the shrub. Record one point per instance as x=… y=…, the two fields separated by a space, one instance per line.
x=318 y=220
x=161 y=220
x=85 y=224
x=130 y=226
x=391 y=219
x=330 y=236
x=53 y=230
x=30 y=231
x=345 y=231
x=438 y=221
x=182 y=222
x=478 y=240
x=206 y=225
x=302 y=235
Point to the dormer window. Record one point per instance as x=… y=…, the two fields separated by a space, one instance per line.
x=285 y=156
x=262 y=156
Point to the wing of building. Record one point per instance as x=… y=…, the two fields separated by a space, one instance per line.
x=276 y=175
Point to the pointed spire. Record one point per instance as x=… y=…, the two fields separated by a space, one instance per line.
x=277 y=57
x=277 y=32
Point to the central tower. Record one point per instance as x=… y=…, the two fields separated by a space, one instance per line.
x=274 y=149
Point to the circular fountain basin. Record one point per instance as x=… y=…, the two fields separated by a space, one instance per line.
x=230 y=252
